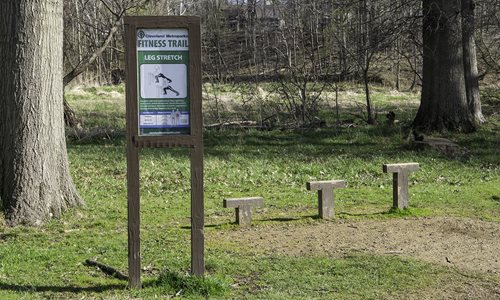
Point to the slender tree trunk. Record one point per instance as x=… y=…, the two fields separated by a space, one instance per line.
x=369 y=108
x=35 y=183
x=252 y=15
x=443 y=104
x=470 y=61
x=337 y=112
x=79 y=30
x=398 y=65
x=342 y=56
x=415 y=71
x=365 y=57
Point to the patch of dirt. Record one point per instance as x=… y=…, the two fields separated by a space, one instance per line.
x=463 y=243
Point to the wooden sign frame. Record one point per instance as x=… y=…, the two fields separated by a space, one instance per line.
x=193 y=140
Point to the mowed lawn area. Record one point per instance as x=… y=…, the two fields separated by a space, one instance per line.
x=461 y=192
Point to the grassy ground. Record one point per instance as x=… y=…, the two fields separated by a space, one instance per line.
x=47 y=262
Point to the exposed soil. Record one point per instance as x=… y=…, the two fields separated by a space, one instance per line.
x=464 y=244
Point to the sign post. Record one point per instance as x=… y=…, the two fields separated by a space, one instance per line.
x=163 y=92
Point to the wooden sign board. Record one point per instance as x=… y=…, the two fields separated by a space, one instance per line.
x=163 y=69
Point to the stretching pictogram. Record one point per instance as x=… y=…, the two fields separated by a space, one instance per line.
x=160 y=78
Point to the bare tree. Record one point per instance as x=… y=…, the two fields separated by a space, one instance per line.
x=365 y=30
x=100 y=22
x=299 y=62
x=104 y=34
x=487 y=13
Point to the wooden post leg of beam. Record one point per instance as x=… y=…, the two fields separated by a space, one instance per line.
x=325 y=203
x=197 y=216
x=244 y=215
x=403 y=189
x=134 y=254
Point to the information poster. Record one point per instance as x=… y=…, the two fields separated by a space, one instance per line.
x=163 y=81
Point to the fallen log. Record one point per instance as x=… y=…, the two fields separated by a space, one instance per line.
x=440 y=145
x=106 y=269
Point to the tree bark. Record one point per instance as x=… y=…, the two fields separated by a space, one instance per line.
x=35 y=183
x=443 y=104
x=470 y=61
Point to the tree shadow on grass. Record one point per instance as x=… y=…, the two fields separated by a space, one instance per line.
x=290 y=219
x=278 y=219
x=392 y=212
x=374 y=214
x=363 y=142
x=61 y=289
x=209 y=225
x=7 y=236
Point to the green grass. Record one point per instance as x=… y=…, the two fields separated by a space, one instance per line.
x=190 y=285
x=47 y=262
x=353 y=277
x=98 y=107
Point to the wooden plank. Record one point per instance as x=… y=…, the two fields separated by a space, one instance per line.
x=400 y=182
x=400 y=193
x=237 y=202
x=326 y=204
x=195 y=71
x=187 y=141
x=197 y=213
x=244 y=215
x=196 y=121
x=325 y=196
x=319 y=185
x=133 y=207
x=161 y=21
x=134 y=256
x=243 y=208
x=395 y=168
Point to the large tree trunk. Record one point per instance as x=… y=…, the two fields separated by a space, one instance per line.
x=35 y=183
x=470 y=61
x=444 y=100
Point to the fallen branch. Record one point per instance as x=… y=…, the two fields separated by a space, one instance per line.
x=316 y=123
x=238 y=124
x=106 y=269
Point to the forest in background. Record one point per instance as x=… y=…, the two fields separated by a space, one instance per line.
x=300 y=46
x=261 y=39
